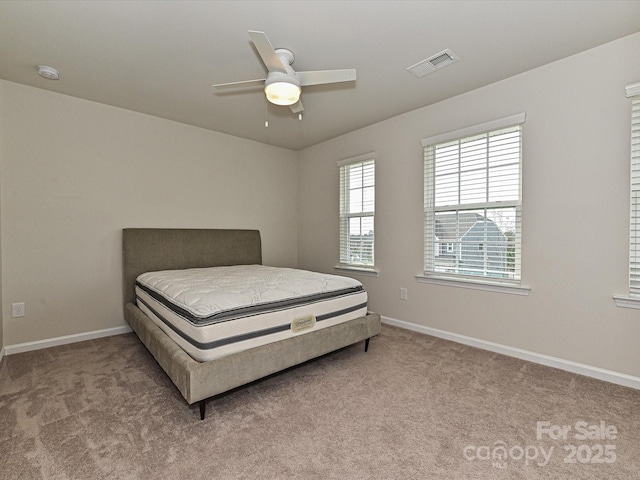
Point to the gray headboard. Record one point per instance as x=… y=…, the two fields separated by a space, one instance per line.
x=152 y=249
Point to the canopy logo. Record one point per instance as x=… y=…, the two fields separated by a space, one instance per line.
x=585 y=443
x=499 y=454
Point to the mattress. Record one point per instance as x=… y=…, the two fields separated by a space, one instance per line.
x=217 y=311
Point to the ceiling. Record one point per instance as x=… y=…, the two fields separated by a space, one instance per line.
x=162 y=57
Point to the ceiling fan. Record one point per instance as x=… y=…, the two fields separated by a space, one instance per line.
x=283 y=84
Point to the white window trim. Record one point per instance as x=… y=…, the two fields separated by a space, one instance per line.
x=357 y=159
x=473 y=284
x=357 y=270
x=369 y=270
x=632 y=90
x=481 y=283
x=625 y=301
x=629 y=300
x=510 y=121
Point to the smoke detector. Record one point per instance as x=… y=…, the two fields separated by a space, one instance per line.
x=433 y=63
x=49 y=73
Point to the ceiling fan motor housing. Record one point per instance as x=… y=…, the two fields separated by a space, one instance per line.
x=285 y=55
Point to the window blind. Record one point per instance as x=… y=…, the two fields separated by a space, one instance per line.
x=634 y=244
x=357 y=211
x=472 y=202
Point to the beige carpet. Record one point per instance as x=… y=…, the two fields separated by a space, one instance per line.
x=413 y=407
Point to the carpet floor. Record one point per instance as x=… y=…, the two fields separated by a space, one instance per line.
x=413 y=407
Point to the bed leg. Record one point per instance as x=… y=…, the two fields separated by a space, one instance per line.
x=202 y=406
x=366 y=344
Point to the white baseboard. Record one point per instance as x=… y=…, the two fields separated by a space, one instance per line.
x=1 y=354
x=54 y=342
x=567 y=365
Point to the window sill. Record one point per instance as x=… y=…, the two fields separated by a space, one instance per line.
x=626 y=301
x=511 y=289
x=355 y=270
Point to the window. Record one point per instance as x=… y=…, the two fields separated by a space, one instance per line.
x=632 y=300
x=633 y=91
x=472 y=203
x=357 y=211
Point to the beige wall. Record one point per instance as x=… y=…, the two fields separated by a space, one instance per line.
x=575 y=214
x=74 y=173
x=2 y=108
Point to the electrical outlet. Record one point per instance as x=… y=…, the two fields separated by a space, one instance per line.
x=17 y=310
x=403 y=294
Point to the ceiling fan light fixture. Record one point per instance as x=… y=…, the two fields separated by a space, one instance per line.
x=282 y=93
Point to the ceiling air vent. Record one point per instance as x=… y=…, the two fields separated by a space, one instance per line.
x=431 y=64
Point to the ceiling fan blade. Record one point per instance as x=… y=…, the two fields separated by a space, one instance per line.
x=266 y=51
x=297 y=107
x=326 y=76
x=231 y=84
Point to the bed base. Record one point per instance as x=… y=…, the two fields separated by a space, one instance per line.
x=199 y=381
x=202 y=404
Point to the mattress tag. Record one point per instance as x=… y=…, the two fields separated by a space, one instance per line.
x=303 y=323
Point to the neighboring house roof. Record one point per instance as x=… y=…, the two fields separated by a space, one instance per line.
x=446 y=225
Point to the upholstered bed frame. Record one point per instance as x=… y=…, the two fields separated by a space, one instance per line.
x=150 y=249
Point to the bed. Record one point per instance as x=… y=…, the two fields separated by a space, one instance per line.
x=152 y=250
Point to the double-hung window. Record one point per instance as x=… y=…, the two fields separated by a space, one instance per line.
x=473 y=203
x=633 y=301
x=634 y=253
x=357 y=211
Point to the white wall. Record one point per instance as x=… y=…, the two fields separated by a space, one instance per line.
x=74 y=173
x=575 y=213
x=2 y=351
